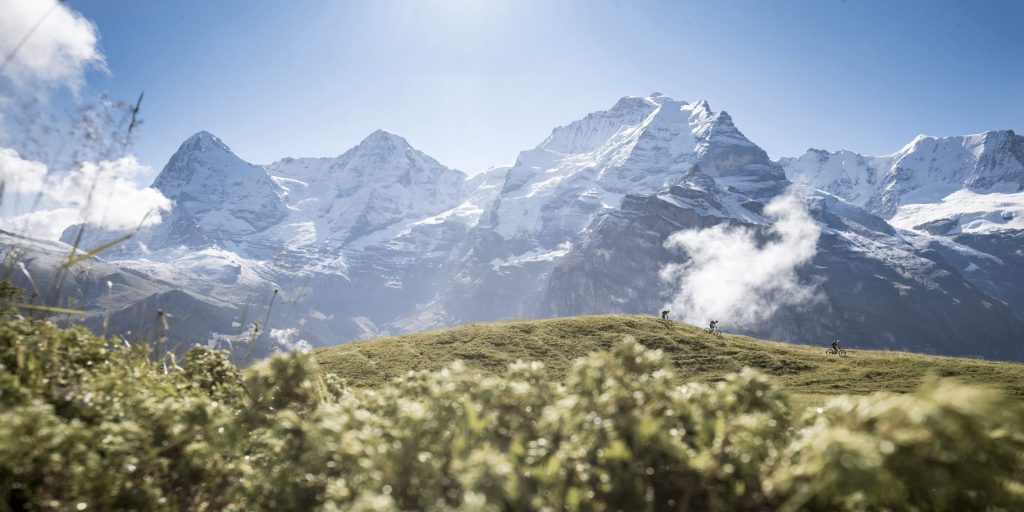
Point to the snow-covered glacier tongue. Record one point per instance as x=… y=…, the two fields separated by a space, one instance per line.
x=384 y=239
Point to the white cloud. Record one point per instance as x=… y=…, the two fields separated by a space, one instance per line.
x=43 y=224
x=103 y=194
x=732 y=278
x=20 y=176
x=107 y=195
x=288 y=340
x=58 y=52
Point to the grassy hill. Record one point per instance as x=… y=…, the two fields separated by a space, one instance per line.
x=805 y=371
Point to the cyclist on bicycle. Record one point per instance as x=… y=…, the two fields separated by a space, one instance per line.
x=714 y=326
x=835 y=345
x=664 y=314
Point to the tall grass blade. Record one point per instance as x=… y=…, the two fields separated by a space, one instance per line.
x=50 y=309
x=259 y=334
x=73 y=260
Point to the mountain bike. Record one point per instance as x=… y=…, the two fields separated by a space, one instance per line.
x=840 y=352
x=713 y=331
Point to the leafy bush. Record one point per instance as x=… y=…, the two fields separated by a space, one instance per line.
x=93 y=424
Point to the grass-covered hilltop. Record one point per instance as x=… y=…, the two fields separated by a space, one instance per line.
x=806 y=372
x=606 y=413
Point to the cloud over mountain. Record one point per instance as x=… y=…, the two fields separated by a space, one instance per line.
x=732 y=275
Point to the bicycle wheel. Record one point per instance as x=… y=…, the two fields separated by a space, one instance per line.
x=842 y=352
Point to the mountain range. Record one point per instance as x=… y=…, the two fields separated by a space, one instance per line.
x=919 y=250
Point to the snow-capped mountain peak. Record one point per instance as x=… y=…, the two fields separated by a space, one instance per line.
x=385 y=156
x=597 y=128
x=217 y=195
x=383 y=140
x=702 y=107
x=204 y=140
x=375 y=184
x=639 y=146
x=201 y=159
x=925 y=170
x=205 y=169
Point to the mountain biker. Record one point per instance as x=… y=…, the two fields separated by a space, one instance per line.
x=714 y=326
x=664 y=315
x=835 y=345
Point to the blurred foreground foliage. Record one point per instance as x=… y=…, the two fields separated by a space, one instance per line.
x=94 y=424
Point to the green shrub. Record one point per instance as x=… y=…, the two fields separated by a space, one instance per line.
x=93 y=424
x=948 y=447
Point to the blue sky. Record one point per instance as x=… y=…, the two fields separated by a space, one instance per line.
x=473 y=82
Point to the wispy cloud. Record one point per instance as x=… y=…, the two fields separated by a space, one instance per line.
x=44 y=42
x=732 y=277
x=103 y=194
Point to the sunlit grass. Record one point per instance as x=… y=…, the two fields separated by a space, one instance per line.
x=805 y=371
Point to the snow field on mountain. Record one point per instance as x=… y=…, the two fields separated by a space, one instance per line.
x=970 y=212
